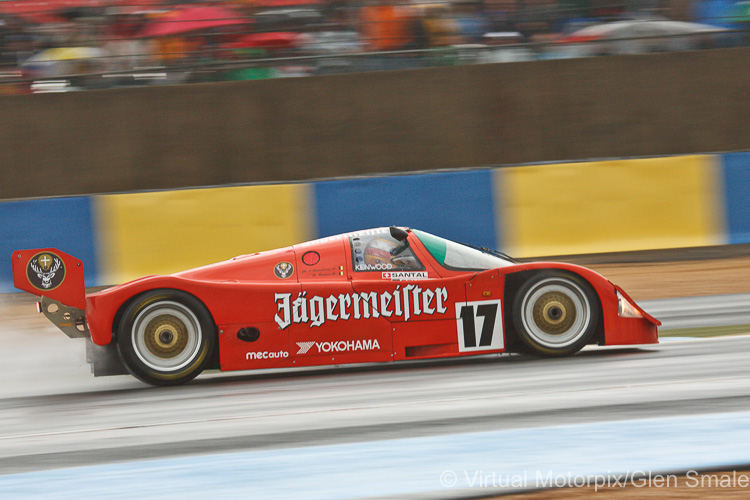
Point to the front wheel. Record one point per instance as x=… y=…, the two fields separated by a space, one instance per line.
x=166 y=337
x=555 y=313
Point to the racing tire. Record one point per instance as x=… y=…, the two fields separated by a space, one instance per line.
x=555 y=313
x=166 y=337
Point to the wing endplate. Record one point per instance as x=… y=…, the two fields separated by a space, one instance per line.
x=51 y=273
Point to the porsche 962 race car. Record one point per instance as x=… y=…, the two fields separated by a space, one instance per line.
x=379 y=295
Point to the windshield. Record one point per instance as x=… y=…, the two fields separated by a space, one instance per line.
x=456 y=256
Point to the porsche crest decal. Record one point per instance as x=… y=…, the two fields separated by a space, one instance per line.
x=283 y=270
x=45 y=271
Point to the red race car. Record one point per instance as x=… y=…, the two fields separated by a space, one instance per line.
x=386 y=294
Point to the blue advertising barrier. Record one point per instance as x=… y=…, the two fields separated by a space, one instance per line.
x=736 y=171
x=457 y=205
x=63 y=223
x=464 y=205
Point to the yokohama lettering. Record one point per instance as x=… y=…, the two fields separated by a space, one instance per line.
x=404 y=303
x=339 y=346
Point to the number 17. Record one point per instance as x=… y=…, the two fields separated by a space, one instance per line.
x=479 y=316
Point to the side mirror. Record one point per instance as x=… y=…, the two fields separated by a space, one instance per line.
x=398 y=234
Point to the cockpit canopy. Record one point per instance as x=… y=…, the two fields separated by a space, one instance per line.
x=460 y=257
x=379 y=250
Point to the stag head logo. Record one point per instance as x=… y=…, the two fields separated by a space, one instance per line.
x=46 y=271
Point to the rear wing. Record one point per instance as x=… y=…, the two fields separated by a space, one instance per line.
x=58 y=279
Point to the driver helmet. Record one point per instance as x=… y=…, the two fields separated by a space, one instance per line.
x=378 y=251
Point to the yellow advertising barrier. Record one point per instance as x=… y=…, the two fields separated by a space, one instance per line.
x=610 y=206
x=168 y=231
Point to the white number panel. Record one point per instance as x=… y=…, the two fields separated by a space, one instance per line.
x=480 y=325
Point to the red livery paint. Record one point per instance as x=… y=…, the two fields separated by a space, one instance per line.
x=370 y=296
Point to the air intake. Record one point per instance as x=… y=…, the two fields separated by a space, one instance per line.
x=249 y=334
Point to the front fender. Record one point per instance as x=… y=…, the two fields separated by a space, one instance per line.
x=617 y=330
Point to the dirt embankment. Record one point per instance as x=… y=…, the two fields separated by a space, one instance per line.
x=681 y=272
x=659 y=280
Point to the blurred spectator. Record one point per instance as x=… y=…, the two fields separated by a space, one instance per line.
x=538 y=20
x=439 y=26
x=334 y=35
x=502 y=16
x=301 y=37
x=173 y=49
x=121 y=41
x=6 y=57
x=472 y=22
x=386 y=25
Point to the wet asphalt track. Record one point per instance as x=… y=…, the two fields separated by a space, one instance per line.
x=73 y=420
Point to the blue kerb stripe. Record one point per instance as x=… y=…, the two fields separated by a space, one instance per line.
x=63 y=223
x=455 y=205
x=399 y=467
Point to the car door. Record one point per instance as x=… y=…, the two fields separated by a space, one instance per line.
x=331 y=323
x=402 y=287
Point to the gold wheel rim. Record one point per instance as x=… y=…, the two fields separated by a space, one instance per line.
x=166 y=336
x=554 y=313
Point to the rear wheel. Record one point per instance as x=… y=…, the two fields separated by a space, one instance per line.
x=555 y=313
x=166 y=337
